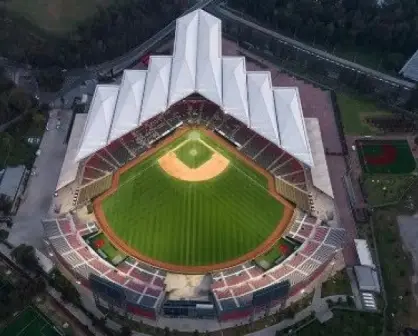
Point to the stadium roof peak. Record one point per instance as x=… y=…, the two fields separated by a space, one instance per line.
x=197 y=67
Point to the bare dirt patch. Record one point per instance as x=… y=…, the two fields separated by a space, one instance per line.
x=177 y=169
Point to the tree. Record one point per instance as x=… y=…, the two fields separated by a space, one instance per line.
x=5 y=201
x=387 y=31
x=69 y=292
x=3 y=235
x=125 y=331
x=51 y=79
x=25 y=256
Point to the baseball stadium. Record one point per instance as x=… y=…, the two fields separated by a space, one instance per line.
x=194 y=189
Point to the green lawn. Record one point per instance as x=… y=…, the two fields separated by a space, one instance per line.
x=56 y=16
x=194 y=153
x=384 y=189
x=193 y=223
x=267 y=260
x=339 y=284
x=30 y=322
x=353 y=113
x=345 y=323
x=385 y=157
x=112 y=253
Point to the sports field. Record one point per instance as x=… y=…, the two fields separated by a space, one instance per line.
x=189 y=223
x=30 y=322
x=385 y=156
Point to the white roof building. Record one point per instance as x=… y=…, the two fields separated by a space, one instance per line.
x=363 y=252
x=197 y=66
x=410 y=68
x=70 y=166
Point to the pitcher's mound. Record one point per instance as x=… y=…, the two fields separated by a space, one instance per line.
x=193 y=152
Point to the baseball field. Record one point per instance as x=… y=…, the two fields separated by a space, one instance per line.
x=193 y=201
x=385 y=156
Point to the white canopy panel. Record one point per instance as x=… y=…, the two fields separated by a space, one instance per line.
x=291 y=123
x=197 y=66
x=70 y=166
x=209 y=61
x=128 y=105
x=319 y=168
x=156 y=87
x=261 y=103
x=364 y=253
x=183 y=71
x=99 y=120
x=234 y=88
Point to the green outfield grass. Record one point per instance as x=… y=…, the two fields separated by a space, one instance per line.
x=193 y=223
x=30 y=322
x=193 y=153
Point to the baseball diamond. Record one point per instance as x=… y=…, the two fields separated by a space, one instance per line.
x=200 y=188
x=227 y=215
x=385 y=156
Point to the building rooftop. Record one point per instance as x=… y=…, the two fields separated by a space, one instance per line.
x=197 y=66
x=410 y=69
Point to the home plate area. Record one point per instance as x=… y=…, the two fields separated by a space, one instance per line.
x=193 y=161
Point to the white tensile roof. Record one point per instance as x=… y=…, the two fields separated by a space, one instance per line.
x=319 y=171
x=364 y=253
x=70 y=166
x=197 y=66
x=99 y=120
x=291 y=123
x=128 y=105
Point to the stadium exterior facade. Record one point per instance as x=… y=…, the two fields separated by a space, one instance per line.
x=196 y=85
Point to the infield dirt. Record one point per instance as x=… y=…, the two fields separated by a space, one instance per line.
x=177 y=169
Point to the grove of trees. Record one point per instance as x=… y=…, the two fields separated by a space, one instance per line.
x=108 y=34
x=21 y=117
x=388 y=28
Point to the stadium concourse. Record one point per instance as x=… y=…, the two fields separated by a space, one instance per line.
x=197 y=86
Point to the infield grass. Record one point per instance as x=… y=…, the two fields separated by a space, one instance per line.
x=193 y=223
x=193 y=153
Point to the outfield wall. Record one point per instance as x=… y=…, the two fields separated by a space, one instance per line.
x=94 y=189
x=293 y=194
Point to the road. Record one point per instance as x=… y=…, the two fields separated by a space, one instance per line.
x=39 y=192
x=225 y=15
